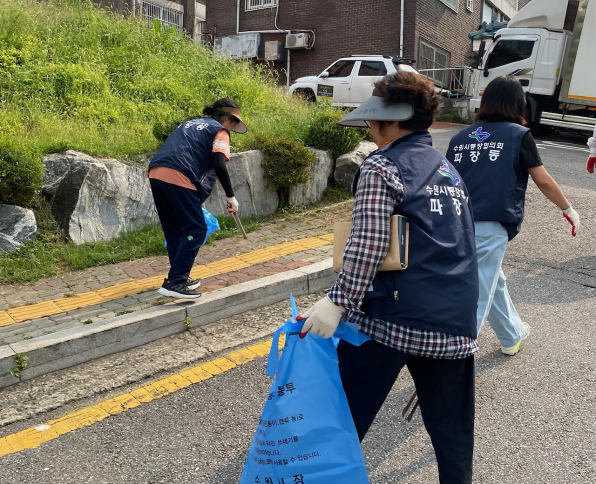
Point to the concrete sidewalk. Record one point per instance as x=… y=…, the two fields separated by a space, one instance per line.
x=75 y=317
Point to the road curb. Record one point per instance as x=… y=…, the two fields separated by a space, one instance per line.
x=77 y=345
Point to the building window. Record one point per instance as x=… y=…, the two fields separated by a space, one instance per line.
x=169 y=14
x=433 y=57
x=199 y=28
x=452 y=4
x=489 y=11
x=257 y=4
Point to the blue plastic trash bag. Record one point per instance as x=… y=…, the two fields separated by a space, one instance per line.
x=306 y=433
x=212 y=226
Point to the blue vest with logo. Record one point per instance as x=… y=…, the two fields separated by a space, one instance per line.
x=486 y=155
x=189 y=150
x=439 y=289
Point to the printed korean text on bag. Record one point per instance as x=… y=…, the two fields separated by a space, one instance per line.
x=306 y=433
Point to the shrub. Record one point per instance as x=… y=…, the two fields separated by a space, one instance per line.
x=285 y=163
x=21 y=173
x=325 y=134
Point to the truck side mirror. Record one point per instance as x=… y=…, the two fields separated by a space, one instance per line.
x=481 y=51
x=324 y=75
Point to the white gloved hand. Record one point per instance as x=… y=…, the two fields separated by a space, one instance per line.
x=573 y=218
x=322 y=318
x=232 y=205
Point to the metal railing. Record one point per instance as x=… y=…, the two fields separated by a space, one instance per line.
x=167 y=16
x=258 y=4
x=456 y=81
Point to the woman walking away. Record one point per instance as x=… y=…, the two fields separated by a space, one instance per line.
x=494 y=157
x=182 y=175
x=423 y=317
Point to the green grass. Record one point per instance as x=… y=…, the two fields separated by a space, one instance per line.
x=335 y=194
x=75 y=76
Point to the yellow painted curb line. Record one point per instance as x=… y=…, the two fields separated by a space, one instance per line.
x=258 y=256
x=33 y=437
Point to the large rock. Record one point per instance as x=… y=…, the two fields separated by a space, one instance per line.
x=250 y=188
x=312 y=191
x=17 y=225
x=98 y=199
x=347 y=165
x=57 y=165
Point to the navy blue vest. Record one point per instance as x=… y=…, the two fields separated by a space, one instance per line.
x=486 y=155
x=439 y=289
x=189 y=150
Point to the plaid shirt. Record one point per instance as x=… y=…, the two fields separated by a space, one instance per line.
x=380 y=190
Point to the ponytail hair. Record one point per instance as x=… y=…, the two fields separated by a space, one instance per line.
x=215 y=108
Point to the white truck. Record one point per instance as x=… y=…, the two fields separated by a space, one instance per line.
x=550 y=46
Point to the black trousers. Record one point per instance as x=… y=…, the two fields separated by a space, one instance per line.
x=181 y=216
x=445 y=393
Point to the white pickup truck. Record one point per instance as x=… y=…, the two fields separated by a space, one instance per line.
x=349 y=80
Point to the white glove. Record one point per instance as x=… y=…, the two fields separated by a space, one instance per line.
x=322 y=318
x=232 y=205
x=573 y=218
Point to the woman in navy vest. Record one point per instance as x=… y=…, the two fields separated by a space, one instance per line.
x=495 y=156
x=182 y=175
x=423 y=317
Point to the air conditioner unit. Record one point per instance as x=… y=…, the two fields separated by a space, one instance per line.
x=297 y=41
x=470 y=5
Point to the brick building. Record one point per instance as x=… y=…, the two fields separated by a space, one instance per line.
x=434 y=31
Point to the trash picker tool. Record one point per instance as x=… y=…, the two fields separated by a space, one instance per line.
x=239 y=224
x=407 y=407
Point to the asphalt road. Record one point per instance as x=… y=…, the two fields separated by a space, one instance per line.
x=535 y=423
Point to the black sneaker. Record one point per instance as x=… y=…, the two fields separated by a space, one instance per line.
x=178 y=291
x=192 y=283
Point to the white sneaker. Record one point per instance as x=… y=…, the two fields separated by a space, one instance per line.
x=512 y=350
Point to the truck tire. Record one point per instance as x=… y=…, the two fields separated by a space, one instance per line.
x=306 y=94
x=532 y=115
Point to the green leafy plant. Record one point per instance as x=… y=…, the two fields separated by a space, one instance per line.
x=20 y=364
x=188 y=322
x=286 y=163
x=324 y=133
